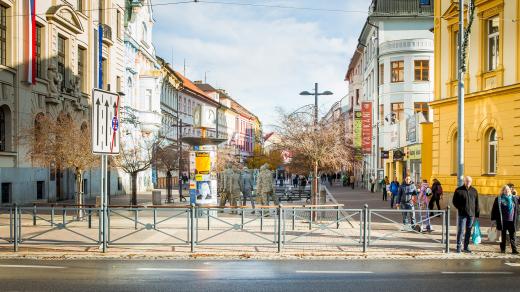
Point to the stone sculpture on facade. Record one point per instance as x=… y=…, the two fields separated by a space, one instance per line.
x=54 y=79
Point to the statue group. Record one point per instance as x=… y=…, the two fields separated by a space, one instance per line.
x=237 y=185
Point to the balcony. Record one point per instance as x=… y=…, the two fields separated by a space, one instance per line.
x=107 y=34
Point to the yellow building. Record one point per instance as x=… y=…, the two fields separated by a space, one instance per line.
x=492 y=101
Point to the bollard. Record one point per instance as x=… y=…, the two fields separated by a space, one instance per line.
x=64 y=212
x=447 y=229
x=108 y=225
x=15 y=225
x=293 y=217
x=365 y=221
x=369 y=220
x=89 y=218
x=155 y=218
x=280 y=210
x=192 y=227
x=34 y=214
x=100 y=226
x=337 y=217
x=52 y=216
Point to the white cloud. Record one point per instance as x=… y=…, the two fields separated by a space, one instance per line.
x=263 y=57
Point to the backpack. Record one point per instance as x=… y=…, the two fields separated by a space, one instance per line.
x=439 y=190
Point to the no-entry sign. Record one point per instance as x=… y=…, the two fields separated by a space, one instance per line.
x=105 y=122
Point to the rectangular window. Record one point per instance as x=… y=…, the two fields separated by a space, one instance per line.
x=381 y=114
x=118 y=24
x=3 y=35
x=357 y=96
x=81 y=67
x=398 y=110
x=397 y=71
x=422 y=70
x=493 y=36
x=148 y=99
x=456 y=42
x=40 y=189
x=119 y=85
x=39 y=68
x=104 y=73
x=381 y=74
x=61 y=59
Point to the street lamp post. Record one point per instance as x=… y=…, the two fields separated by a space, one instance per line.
x=316 y=93
x=460 y=122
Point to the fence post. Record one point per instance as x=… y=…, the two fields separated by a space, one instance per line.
x=15 y=224
x=365 y=226
x=10 y=223
x=192 y=227
x=64 y=215
x=447 y=236
x=34 y=214
x=261 y=219
x=242 y=219
x=310 y=218
x=337 y=217
x=155 y=218
x=280 y=210
x=136 y=216
x=293 y=217
x=52 y=216
x=207 y=213
x=108 y=225
x=89 y=218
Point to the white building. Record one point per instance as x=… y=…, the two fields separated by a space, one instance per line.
x=143 y=82
x=396 y=48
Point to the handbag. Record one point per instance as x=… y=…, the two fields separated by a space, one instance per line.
x=476 y=237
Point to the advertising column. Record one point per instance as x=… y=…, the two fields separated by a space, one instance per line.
x=203 y=175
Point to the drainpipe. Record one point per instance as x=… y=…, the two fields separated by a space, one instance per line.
x=376 y=77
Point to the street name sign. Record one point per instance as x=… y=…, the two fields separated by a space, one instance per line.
x=105 y=122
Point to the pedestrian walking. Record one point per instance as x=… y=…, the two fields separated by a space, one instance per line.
x=436 y=195
x=394 y=192
x=329 y=177
x=465 y=199
x=505 y=212
x=295 y=181
x=303 y=184
x=384 y=182
x=407 y=196
x=372 y=183
x=352 y=181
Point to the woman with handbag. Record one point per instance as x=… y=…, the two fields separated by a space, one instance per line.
x=505 y=213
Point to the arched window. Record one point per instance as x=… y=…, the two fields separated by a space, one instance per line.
x=492 y=145
x=454 y=153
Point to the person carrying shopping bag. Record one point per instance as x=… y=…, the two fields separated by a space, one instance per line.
x=505 y=213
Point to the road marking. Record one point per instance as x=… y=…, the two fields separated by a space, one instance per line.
x=513 y=264
x=31 y=266
x=173 y=270
x=334 y=272
x=477 y=273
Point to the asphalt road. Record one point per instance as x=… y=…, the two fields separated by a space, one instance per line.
x=200 y=275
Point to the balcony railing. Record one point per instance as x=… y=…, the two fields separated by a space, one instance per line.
x=107 y=32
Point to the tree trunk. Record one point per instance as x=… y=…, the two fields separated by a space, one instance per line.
x=315 y=189
x=169 y=186
x=80 y=200
x=134 y=188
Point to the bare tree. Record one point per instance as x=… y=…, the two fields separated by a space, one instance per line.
x=168 y=160
x=136 y=155
x=62 y=142
x=325 y=146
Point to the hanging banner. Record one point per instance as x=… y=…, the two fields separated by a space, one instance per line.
x=357 y=129
x=366 y=127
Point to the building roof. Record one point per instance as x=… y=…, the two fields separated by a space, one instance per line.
x=401 y=8
x=190 y=86
x=205 y=87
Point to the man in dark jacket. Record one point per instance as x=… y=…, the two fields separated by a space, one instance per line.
x=465 y=199
x=407 y=191
x=436 y=195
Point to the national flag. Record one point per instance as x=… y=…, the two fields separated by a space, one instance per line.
x=31 y=24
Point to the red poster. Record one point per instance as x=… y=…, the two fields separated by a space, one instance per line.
x=366 y=127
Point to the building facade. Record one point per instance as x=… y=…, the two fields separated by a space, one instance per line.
x=392 y=83
x=66 y=70
x=492 y=106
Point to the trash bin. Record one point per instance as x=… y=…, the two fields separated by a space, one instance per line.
x=156 y=198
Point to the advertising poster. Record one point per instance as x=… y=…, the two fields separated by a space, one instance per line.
x=366 y=127
x=357 y=129
x=203 y=177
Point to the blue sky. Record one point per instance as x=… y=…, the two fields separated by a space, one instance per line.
x=262 y=56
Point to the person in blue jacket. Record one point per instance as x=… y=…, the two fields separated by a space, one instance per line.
x=394 y=190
